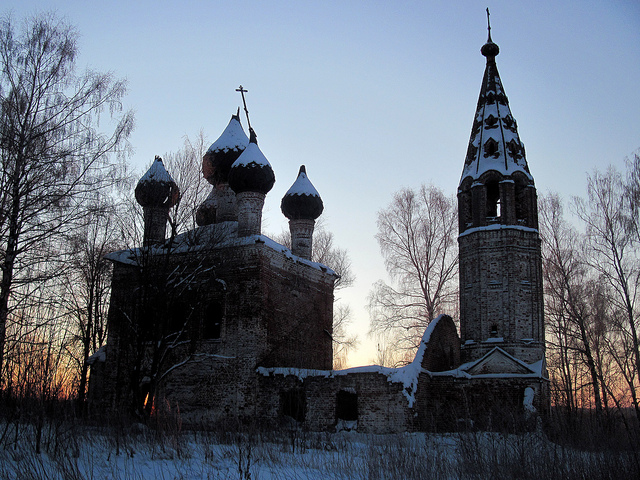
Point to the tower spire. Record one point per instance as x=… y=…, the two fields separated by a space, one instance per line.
x=494 y=143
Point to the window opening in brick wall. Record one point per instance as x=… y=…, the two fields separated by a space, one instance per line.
x=347 y=405
x=212 y=321
x=293 y=403
x=494 y=330
x=493 y=200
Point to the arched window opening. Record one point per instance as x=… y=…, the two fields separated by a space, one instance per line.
x=493 y=201
x=491 y=148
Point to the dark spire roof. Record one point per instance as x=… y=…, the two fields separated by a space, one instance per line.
x=302 y=201
x=224 y=151
x=156 y=188
x=251 y=172
x=495 y=143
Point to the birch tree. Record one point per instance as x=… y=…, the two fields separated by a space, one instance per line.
x=417 y=234
x=574 y=317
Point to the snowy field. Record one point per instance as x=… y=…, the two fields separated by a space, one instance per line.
x=70 y=453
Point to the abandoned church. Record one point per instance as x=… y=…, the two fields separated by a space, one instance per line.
x=227 y=325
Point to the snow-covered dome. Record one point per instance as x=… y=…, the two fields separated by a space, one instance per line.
x=156 y=188
x=302 y=200
x=224 y=151
x=251 y=172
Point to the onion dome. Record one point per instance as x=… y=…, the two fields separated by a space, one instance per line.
x=156 y=188
x=302 y=200
x=251 y=172
x=490 y=49
x=494 y=143
x=224 y=151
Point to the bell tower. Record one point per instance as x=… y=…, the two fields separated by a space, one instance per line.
x=501 y=296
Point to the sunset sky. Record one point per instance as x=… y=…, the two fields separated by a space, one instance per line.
x=371 y=96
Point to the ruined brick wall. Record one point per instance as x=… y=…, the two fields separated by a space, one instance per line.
x=274 y=311
x=110 y=380
x=298 y=308
x=381 y=405
x=443 y=349
x=449 y=403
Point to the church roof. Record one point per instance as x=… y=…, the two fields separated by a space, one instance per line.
x=495 y=143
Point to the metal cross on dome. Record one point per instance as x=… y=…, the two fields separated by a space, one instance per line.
x=244 y=102
x=488 y=25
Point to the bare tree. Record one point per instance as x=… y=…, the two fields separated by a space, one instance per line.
x=53 y=157
x=417 y=235
x=185 y=166
x=632 y=195
x=575 y=319
x=87 y=287
x=613 y=252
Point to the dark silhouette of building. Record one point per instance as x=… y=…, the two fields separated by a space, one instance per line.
x=227 y=325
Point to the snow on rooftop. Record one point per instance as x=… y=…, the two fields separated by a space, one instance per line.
x=232 y=138
x=208 y=237
x=157 y=173
x=251 y=154
x=495 y=143
x=303 y=186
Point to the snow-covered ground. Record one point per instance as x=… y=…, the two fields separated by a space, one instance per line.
x=84 y=453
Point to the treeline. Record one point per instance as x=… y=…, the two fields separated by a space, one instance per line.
x=591 y=265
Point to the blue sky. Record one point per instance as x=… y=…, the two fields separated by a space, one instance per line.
x=370 y=96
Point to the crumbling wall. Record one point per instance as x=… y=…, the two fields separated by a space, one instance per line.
x=381 y=405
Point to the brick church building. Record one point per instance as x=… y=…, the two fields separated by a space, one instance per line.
x=226 y=325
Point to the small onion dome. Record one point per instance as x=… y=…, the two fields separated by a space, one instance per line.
x=490 y=49
x=156 y=188
x=251 y=172
x=224 y=151
x=302 y=200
